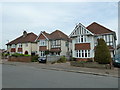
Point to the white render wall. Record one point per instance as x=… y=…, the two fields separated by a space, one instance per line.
x=32 y=47
x=27 y=48
x=64 y=49
x=73 y=47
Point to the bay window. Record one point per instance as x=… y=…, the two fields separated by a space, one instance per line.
x=83 y=53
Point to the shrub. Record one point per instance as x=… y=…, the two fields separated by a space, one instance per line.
x=34 y=58
x=17 y=55
x=102 y=53
x=53 y=62
x=72 y=59
x=62 y=59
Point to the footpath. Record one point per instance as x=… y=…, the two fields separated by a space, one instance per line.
x=114 y=72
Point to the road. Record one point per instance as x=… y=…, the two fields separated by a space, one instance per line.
x=31 y=77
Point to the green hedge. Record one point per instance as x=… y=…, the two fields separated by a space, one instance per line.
x=17 y=55
x=34 y=58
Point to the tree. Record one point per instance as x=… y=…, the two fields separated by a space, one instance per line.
x=102 y=53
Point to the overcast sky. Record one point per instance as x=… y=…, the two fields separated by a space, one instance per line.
x=43 y=16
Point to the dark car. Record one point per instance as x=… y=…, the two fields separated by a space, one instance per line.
x=116 y=61
x=42 y=60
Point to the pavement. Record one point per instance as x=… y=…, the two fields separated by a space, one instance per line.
x=66 y=67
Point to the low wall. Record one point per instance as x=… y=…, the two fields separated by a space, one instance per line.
x=20 y=58
x=55 y=58
x=90 y=65
x=52 y=58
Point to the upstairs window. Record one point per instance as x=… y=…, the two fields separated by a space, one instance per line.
x=55 y=43
x=19 y=45
x=42 y=43
x=82 y=39
x=13 y=46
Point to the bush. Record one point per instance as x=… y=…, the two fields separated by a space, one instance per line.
x=102 y=53
x=72 y=59
x=62 y=59
x=17 y=55
x=53 y=62
x=34 y=58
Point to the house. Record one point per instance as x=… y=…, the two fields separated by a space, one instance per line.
x=57 y=43
x=84 y=40
x=24 y=44
x=118 y=49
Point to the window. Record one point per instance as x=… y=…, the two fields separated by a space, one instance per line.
x=19 y=45
x=13 y=46
x=8 y=46
x=88 y=53
x=55 y=43
x=42 y=42
x=81 y=38
x=83 y=53
x=42 y=53
x=79 y=53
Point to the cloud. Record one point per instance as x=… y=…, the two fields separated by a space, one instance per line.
x=36 y=17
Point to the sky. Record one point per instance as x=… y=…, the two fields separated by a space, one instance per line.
x=50 y=16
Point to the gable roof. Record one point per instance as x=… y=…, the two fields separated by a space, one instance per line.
x=73 y=34
x=30 y=37
x=57 y=34
x=98 y=29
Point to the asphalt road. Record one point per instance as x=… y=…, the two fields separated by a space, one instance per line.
x=31 y=77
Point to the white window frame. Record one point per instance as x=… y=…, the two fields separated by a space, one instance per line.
x=42 y=43
x=20 y=45
x=13 y=46
x=42 y=53
x=79 y=39
x=83 y=53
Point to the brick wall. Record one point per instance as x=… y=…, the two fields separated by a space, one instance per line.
x=20 y=59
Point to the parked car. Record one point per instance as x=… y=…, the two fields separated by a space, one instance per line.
x=116 y=60
x=42 y=59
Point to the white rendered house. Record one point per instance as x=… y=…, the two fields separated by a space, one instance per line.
x=84 y=40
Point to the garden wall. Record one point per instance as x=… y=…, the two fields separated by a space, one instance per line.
x=20 y=58
x=90 y=65
x=55 y=58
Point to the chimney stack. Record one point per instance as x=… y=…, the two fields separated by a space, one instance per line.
x=24 y=33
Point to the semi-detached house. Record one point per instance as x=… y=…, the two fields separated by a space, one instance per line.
x=84 y=40
x=57 y=43
x=25 y=44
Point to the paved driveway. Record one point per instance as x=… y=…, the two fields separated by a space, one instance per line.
x=21 y=76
